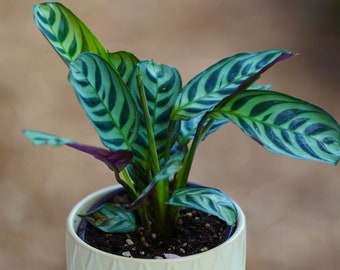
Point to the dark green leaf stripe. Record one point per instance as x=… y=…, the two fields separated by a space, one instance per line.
x=162 y=84
x=170 y=168
x=189 y=127
x=106 y=100
x=40 y=138
x=211 y=86
x=125 y=63
x=208 y=200
x=112 y=219
x=285 y=125
x=68 y=35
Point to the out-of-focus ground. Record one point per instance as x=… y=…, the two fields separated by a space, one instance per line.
x=292 y=207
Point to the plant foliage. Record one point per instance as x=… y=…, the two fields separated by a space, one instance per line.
x=151 y=125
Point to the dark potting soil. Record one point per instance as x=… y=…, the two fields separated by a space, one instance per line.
x=195 y=232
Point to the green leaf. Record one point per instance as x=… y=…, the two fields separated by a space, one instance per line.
x=125 y=63
x=115 y=160
x=162 y=84
x=112 y=219
x=106 y=100
x=40 y=138
x=67 y=34
x=211 y=86
x=189 y=127
x=170 y=168
x=285 y=125
x=208 y=200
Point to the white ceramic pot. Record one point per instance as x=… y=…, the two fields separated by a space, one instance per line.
x=231 y=255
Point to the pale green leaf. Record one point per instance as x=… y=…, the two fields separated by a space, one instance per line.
x=67 y=34
x=189 y=127
x=106 y=100
x=170 y=168
x=162 y=84
x=125 y=64
x=285 y=125
x=217 y=82
x=40 y=138
x=208 y=200
x=112 y=219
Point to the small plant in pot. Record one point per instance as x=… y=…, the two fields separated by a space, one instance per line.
x=151 y=126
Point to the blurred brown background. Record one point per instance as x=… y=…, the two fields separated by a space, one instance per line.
x=293 y=207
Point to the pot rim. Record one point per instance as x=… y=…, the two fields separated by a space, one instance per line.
x=73 y=221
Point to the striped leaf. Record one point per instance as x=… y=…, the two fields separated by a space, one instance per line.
x=112 y=219
x=67 y=34
x=162 y=84
x=189 y=127
x=115 y=160
x=285 y=125
x=170 y=168
x=106 y=100
x=208 y=200
x=41 y=138
x=125 y=63
x=208 y=88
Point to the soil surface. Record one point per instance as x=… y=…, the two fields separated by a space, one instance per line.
x=195 y=232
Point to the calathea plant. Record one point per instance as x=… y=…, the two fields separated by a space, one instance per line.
x=151 y=125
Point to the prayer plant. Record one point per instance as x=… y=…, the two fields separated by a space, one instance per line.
x=151 y=125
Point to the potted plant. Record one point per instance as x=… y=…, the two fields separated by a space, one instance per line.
x=151 y=126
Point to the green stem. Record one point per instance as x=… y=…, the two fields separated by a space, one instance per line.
x=142 y=210
x=164 y=185
x=161 y=192
x=168 y=140
x=128 y=178
x=130 y=189
x=183 y=175
x=143 y=214
x=151 y=138
x=181 y=178
x=206 y=128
